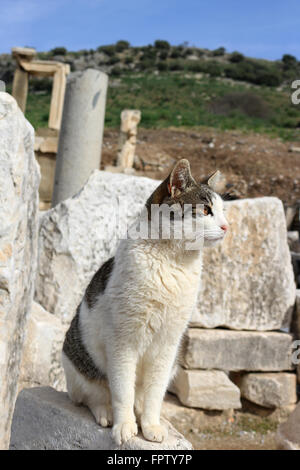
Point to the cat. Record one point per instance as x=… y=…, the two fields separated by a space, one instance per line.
x=120 y=351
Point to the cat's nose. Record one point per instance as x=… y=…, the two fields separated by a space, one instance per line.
x=224 y=227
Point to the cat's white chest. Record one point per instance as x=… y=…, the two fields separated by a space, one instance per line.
x=171 y=291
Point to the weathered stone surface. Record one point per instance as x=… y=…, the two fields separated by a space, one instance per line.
x=295 y=328
x=79 y=234
x=208 y=389
x=295 y=325
x=269 y=389
x=19 y=180
x=47 y=166
x=46 y=419
x=288 y=434
x=49 y=145
x=237 y=350
x=130 y=119
x=41 y=359
x=248 y=280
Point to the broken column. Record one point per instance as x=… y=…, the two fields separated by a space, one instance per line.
x=130 y=119
x=80 y=140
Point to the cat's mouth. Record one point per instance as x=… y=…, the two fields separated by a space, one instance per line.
x=216 y=238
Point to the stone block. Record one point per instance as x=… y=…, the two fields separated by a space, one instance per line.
x=270 y=390
x=237 y=350
x=288 y=434
x=208 y=389
x=45 y=419
x=248 y=281
x=41 y=359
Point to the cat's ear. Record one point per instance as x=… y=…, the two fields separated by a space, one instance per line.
x=213 y=180
x=180 y=178
x=177 y=181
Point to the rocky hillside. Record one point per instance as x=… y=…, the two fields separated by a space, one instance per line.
x=118 y=58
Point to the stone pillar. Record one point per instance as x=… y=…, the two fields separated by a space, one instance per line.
x=80 y=140
x=127 y=142
x=20 y=87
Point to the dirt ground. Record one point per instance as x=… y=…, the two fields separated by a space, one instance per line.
x=251 y=428
x=255 y=165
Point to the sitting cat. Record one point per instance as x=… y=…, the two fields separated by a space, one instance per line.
x=120 y=350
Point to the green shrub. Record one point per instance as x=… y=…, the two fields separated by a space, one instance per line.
x=236 y=57
x=289 y=61
x=176 y=53
x=241 y=71
x=149 y=52
x=195 y=65
x=219 y=52
x=113 y=60
x=162 y=66
x=128 y=60
x=40 y=84
x=269 y=77
x=254 y=72
x=247 y=102
x=163 y=55
x=109 y=50
x=116 y=71
x=58 y=51
x=161 y=44
x=84 y=52
x=176 y=65
x=122 y=45
x=187 y=51
x=215 y=69
x=146 y=64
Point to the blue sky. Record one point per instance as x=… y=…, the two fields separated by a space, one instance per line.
x=264 y=28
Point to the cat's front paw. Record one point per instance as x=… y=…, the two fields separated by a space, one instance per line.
x=154 y=432
x=122 y=432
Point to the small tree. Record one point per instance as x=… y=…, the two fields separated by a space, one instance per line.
x=162 y=66
x=59 y=51
x=116 y=71
x=122 y=45
x=160 y=44
x=163 y=55
x=218 y=52
x=289 y=61
x=109 y=49
x=236 y=57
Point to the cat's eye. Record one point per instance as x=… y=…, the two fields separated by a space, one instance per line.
x=203 y=210
x=207 y=210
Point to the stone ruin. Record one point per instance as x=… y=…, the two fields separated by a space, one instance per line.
x=46 y=140
x=28 y=66
x=240 y=343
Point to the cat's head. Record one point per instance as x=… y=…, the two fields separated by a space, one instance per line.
x=204 y=203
